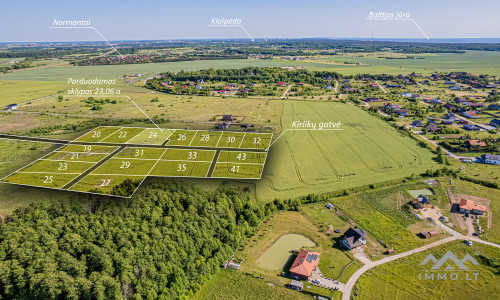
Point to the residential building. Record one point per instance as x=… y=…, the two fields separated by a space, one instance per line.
x=491 y=159
x=304 y=264
x=354 y=238
x=475 y=143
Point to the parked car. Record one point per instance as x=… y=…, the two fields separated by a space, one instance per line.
x=317 y=281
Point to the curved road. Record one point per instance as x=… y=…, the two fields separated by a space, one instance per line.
x=348 y=286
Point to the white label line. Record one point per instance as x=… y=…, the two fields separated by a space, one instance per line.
x=215 y=25
x=76 y=161
x=87 y=27
x=242 y=140
x=50 y=173
x=144 y=113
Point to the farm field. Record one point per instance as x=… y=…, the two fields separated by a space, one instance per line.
x=224 y=284
x=109 y=184
x=175 y=108
x=15 y=155
x=116 y=71
x=22 y=91
x=366 y=151
x=399 y=279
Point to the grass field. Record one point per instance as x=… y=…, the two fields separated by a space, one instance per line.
x=231 y=139
x=206 y=139
x=366 y=151
x=400 y=279
x=227 y=284
x=237 y=170
x=76 y=156
x=87 y=149
x=62 y=167
x=142 y=153
x=256 y=141
x=125 y=166
x=101 y=184
x=123 y=135
x=245 y=157
x=181 y=138
x=151 y=136
x=116 y=71
x=53 y=181
x=98 y=134
x=189 y=155
x=22 y=91
x=181 y=169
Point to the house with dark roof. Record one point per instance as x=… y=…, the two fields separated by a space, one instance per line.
x=470 y=127
x=417 y=123
x=421 y=201
x=354 y=238
x=491 y=159
x=304 y=264
x=495 y=123
x=432 y=128
x=12 y=107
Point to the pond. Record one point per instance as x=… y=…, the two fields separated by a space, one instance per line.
x=276 y=256
x=425 y=192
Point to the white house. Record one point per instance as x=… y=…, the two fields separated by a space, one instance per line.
x=491 y=159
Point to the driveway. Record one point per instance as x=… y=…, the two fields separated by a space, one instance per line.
x=326 y=282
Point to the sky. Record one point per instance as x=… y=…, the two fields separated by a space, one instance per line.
x=29 y=20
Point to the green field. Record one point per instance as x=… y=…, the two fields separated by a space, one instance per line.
x=53 y=181
x=116 y=71
x=241 y=156
x=22 y=91
x=152 y=136
x=101 y=184
x=181 y=138
x=54 y=166
x=231 y=139
x=123 y=135
x=98 y=134
x=87 y=149
x=76 y=156
x=400 y=279
x=366 y=151
x=125 y=166
x=256 y=141
x=142 y=153
x=189 y=155
x=237 y=170
x=169 y=168
x=231 y=285
x=206 y=139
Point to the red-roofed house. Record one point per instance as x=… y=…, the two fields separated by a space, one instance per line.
x=304 y=264
x=472 y=143
x=468 y=206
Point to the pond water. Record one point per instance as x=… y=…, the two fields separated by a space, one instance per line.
x=278 y=254
x=416 y=193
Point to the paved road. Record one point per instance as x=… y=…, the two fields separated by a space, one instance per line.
x=448 y=153
x=347 y=288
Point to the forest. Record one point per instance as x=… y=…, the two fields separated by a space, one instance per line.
x=162 y=244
